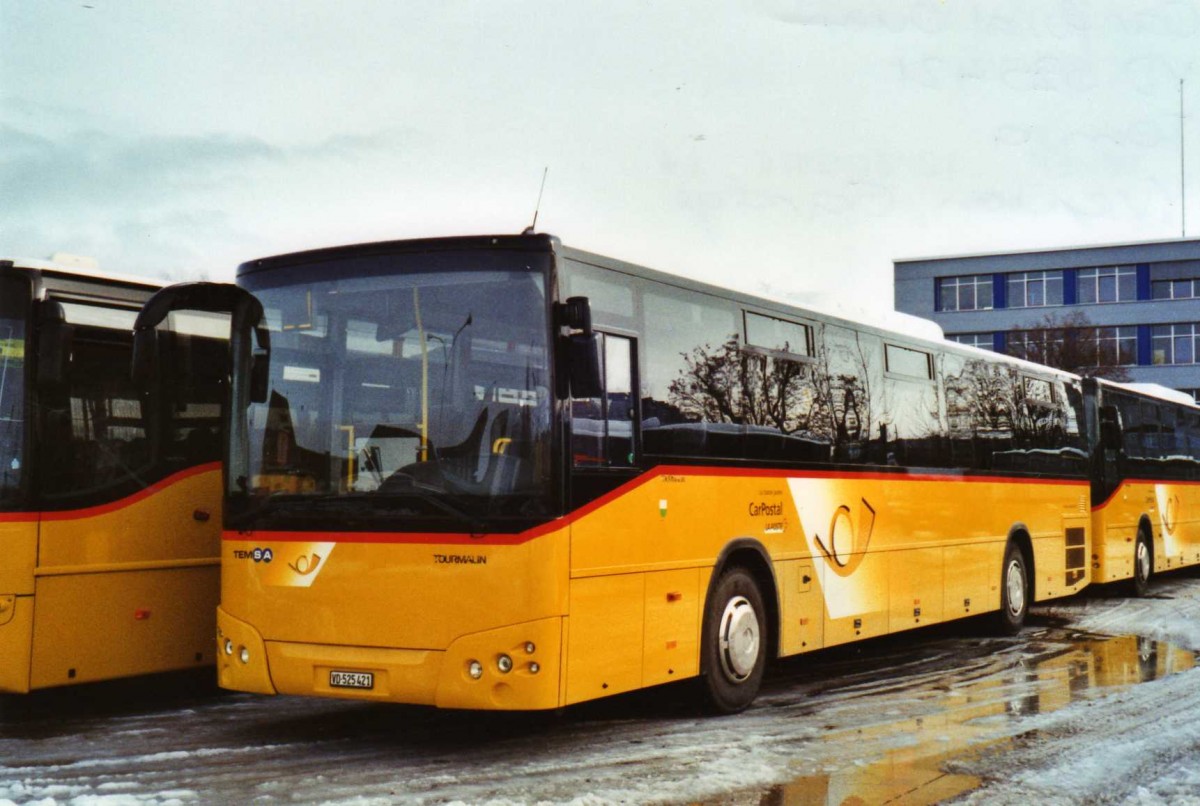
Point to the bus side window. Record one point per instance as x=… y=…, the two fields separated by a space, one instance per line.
x=602 y=427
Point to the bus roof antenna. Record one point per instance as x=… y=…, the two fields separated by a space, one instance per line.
x=529 y=230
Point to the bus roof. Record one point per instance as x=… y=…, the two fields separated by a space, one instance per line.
x=1154 y=390
x=538 y=242
x=54 y=267
x=893 y=324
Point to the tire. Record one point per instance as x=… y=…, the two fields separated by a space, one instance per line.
x=734 y=643
x=1014 y=591
x=1143 y=564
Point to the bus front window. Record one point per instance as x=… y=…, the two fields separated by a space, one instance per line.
x=420 y=396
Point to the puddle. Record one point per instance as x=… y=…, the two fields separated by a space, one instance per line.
x=958 y=721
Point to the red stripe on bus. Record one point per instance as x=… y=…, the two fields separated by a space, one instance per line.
x=113 y=506
x=517 y=538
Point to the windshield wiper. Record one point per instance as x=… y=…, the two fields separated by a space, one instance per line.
x=437 y=497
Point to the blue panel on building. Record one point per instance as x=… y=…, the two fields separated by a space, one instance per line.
x=1143 y=281
x=998 y=341
x=1144 y=346
x=1070 y=287
x=999 y=298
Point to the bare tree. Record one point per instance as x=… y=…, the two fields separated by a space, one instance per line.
x=729 y=384
x=1073 y=343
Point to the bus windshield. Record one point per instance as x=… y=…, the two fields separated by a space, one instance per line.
x=411 y=393
x=14 y=306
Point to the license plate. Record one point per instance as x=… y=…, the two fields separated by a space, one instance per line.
x=351 y=679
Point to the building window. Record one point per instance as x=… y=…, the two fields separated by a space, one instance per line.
x=1174 y=344
x=1175 y=289
x=969 y=293
x=984 y=341
x=1109 y=346
x=1109 y=284
x=1035 y=289
x=1039 y=346
x=1076 y=347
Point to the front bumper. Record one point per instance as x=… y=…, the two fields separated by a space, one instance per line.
x=413 y=676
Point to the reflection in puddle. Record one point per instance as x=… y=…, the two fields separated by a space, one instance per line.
x=964 y=722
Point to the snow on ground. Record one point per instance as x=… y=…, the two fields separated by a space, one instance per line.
x=1059 y=714
x=1140 y=745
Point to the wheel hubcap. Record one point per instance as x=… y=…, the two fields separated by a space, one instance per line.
x=1015 y=584
x=1143 y=561
x=739 y=638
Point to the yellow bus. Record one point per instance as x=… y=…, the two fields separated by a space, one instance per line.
x=109 y=494
x=501 y=473
x=1146 y=485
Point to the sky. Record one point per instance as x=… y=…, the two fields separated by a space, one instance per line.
x=784 y=147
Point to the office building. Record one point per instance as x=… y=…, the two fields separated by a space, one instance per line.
x=1141 y=300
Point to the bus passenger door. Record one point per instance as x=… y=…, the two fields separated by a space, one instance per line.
x=607 y=619
x=1111 y=447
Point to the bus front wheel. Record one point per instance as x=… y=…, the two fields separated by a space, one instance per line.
x=1014 y=591
x=734 y=642
x=1143 y=564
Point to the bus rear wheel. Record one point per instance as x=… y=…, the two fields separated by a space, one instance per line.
x=1143 y=564
x=1014 y=591
x=734 y=643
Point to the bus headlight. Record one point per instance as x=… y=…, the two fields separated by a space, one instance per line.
x=244 y=655
x=475 y=669
x=504 y=664
x=228 y=646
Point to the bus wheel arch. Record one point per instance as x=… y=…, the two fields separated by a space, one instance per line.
x=1143 y=558
x=741 y=597
x=1018 y=576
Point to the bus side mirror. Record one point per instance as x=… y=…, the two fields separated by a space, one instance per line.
x=576 y=314
x=55 y=342
x=260 y=376
x=582 y=348
x=1110 y=428
x=584 y=365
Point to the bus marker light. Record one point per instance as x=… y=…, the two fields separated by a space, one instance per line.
x=244 y=655
x=475 y=669
x=141 y=614
x=228 y=646
x=534 y=668
x=530 y=648
x=504 y=664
